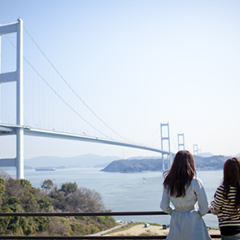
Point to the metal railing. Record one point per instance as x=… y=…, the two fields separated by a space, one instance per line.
x=78 y=214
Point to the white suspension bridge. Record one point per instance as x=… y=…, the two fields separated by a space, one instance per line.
x=21 y=127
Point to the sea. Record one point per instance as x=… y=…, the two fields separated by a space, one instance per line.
x=123 y=192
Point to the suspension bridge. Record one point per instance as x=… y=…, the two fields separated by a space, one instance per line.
x=21 y=125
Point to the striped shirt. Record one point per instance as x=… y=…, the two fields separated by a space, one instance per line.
x=225 y=208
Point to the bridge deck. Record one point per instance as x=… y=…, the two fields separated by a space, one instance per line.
x=10 y=130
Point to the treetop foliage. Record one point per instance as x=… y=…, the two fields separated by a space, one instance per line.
x=18 y=195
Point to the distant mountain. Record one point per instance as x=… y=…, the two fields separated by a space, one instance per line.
x=87 y=160
x=208 y=154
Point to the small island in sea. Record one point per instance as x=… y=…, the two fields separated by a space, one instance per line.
x=214 y=162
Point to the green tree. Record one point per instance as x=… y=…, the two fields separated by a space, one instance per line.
x=2 y=186
x=24 y=183
x=42 y=222
x=29 y=201
x=45 y=202
x=47 y=184
x=69 y=187
x=4 y=221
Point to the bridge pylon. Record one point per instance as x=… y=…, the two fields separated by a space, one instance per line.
x=181 y=141
x=166 y=157
x=16 y=76
x=195 y=149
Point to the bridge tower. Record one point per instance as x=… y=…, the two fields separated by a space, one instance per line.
x=195 y=149
x=166 y=158
x=181 y=141
x=16 y=76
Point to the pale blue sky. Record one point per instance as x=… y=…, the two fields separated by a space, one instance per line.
x=136 y=64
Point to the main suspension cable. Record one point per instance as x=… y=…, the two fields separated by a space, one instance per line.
x=56 y=92
x=71 y=87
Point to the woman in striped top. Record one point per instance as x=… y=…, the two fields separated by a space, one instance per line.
x=226 y=202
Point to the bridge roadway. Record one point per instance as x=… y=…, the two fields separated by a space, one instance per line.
x=6 y=129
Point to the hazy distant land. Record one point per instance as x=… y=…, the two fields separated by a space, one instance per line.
x=206 y=161
x=84 y=161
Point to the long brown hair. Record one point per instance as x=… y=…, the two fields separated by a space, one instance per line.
x=180 y=175
x=231 y=177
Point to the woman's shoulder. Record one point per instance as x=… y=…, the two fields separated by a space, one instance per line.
x=197 y=182
x=220 y=188
x=221 y=191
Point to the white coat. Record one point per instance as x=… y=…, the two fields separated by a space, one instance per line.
x=186 y=220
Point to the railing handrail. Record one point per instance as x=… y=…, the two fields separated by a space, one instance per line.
x=107 y=213
x=91 y=237
x=28 y=214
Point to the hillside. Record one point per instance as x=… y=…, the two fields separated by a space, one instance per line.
x=215 y=162
x=18 y=195
x=135 y=165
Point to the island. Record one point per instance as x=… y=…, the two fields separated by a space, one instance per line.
x=214 y=162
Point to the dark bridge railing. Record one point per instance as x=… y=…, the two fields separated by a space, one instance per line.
x=50 y=214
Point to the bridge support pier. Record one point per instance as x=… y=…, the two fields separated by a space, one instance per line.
x=20 y=153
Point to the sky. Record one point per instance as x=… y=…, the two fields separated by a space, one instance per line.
x=135 y=64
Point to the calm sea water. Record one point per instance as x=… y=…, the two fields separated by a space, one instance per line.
x=125 y=191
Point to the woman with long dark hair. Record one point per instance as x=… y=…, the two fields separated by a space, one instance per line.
x=183 y=190
x=226 y=204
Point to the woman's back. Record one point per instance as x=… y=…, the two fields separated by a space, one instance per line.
x=225 y=207
x=193 y=194
x=186 y=222
x=226 y=202
x=183 y=190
